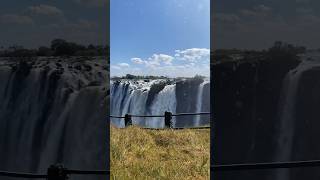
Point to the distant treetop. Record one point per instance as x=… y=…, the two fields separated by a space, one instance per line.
x=59 y=47
x=150 y=77
x=279 y=50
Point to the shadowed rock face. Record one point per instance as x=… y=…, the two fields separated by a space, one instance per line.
x=247 y=102
x=307 y=113
x=206 y=103
x=154 y=90
x=53 y=110
x=186 y=100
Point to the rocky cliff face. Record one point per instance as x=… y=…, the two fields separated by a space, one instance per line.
x=53 y=110
x=187 y=100
x=206 y=103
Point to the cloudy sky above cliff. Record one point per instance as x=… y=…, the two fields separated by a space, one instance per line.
x=167 y=37
x=256 y=24
x=33 y=23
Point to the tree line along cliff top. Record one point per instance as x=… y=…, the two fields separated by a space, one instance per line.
x=279 y=51
x=58 y=47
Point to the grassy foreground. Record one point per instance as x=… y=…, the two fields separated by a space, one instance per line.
x=165 y=154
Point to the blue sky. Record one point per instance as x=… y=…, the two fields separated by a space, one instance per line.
x=162 y=37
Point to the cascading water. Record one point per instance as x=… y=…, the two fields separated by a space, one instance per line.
x=199 y=102
x=257 y=131
x=286 y=124
x=123 y=94
x=164 y=101
x=288 y=115
x=53 y=110
x=138 y=97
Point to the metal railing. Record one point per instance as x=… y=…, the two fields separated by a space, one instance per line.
x=167 y=118
x=272 y=165
x=58 y=172
x=54 y=172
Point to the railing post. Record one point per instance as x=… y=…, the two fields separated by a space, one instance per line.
x=127 y=120
x=57 y=172
x=168 y=120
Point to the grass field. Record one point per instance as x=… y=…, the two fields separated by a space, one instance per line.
x=141 y=154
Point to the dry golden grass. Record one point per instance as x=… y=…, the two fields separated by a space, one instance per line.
x=141 y=154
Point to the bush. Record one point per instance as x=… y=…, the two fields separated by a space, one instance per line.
x=284 y=50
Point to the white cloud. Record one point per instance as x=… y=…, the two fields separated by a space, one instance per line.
x=137 y=60
x=170 y=71
x=190 y=65
x=154 y=60
x=184 y=70
x=197 y=62
x=257 y=11
x=158 y=58
x=15 y=19
x=115 y=67
x=193 y=54
x=44 y=10
x=152 y=64
x=229 y=18
x=262 y=8
x=123 y=65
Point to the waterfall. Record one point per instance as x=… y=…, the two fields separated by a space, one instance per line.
x=199 y=102
x=164 y=101
x=286 y=124
x=129 y=97
x=52 y=110
x=137 y=97
x=288 y=115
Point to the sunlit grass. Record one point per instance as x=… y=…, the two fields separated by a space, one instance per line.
x=159 y=154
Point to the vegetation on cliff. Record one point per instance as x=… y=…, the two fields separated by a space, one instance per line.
x=279 y=51
x=58 y=47
x=139 y=77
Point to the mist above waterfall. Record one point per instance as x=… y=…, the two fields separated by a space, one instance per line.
x=154 y=97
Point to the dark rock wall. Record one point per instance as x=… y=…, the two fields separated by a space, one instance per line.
x=205 y=119
x=186 y=95
x=154 y=90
